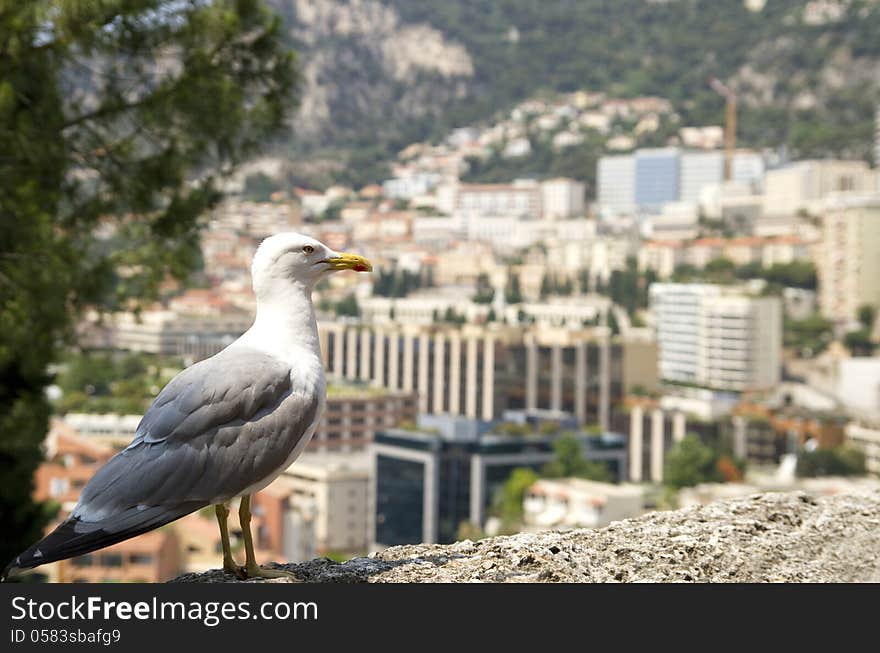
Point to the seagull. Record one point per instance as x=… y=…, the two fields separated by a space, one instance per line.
x=223 y=428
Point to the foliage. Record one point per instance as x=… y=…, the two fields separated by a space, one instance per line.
x=689 y=463
x=671 y=49
x=859 y=342
x=551 y=284
x=729 y=470
x=485 y=293
x=348 y=306
x=809 y=336
x=797 y=274
x=397 y=283
x=628 y=287
x=624 y=48
x=513 y=428
x=259 y=187
x=569 y=462
x=453 y=317
x=101 y=189
x=95 y=382
x=867 y=315
x=840 y=461
x=508 y=504
x=512 y=290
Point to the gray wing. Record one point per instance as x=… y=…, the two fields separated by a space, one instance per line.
x=217 y=428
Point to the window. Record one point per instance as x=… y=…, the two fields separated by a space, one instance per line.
x=57 y=486
x=83 y=561
x=141 y=558
x=111 y=560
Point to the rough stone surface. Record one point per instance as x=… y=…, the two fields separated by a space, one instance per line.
x=785 y=537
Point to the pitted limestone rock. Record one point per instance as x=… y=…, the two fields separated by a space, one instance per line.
x=777 y=537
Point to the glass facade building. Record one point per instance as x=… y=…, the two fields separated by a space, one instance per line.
x=657 y=177
x=428 y=483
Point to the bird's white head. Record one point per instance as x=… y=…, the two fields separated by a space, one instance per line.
x=290 y=260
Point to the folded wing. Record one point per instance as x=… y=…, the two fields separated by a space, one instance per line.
x=219 y=427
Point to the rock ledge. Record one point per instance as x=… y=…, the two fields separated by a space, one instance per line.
x=779 y=537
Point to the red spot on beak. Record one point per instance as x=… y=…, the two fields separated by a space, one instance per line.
x=360 y=268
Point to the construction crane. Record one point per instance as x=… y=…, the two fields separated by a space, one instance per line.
x=730 y=124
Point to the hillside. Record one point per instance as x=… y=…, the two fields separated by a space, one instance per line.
x=382 y=74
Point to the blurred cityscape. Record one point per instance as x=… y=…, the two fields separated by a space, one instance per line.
x=527 y=354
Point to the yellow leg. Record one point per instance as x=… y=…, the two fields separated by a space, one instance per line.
x=222 y=520
x=251 y=568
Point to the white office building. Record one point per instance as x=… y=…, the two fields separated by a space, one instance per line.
x=805 y=184
x=698 y=171
x=562 y=198
x=616 y=184
x=717 y=336
x=849 y=258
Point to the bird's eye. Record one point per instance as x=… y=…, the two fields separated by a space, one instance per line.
x=308 y=249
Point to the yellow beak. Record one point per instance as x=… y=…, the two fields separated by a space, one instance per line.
x=347 y=261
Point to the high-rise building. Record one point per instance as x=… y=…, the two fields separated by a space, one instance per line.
x=717 y=337
x=699 y=170
x=805 y=185
x=616 y=184
x=849 y=258
x=522 y=198
x=170 y=333
x=330 y=492
x=648 y=179
x=480 y=371
x=354 y=414
x=657 y=180
x=428 y=483
x=562 y=198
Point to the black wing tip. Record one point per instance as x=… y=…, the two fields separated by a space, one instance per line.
x=11 y=569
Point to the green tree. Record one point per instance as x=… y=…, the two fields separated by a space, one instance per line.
x=485 y=293
x=168 y=97
x=509 y=502
x=797 y=274
x=867 y=315
x=569 y=461
x=512 y=291
x=348 y=306
x=859 y=342
x=840 y=461
x=546 y=286
x=259 y=187
x=809 y=336
x=690 y=462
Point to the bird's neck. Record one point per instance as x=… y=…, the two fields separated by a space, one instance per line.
x=285 y=325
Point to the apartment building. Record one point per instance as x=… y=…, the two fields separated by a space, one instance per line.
x=616 y=184
x=848 y=260
x=716 y=336
x=354 y=413
x=805 y=184
x=153 y=557
x=479 y=371
x=330 y=494
x=170 y=333
x=521 y=198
